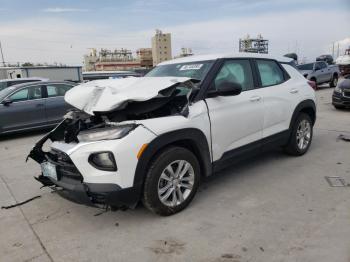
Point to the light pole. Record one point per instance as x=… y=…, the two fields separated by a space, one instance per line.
x=2 y=55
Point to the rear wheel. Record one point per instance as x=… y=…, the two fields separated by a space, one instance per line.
x=301 y=136
x=334 y=81
x=171 y=181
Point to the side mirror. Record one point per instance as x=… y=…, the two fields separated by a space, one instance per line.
x=317 y=68
x=6 y=102
x=226 y=89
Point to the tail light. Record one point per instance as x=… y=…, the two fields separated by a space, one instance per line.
x=312 y=84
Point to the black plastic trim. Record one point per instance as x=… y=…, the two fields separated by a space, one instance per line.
x=306 y=104
x=112 y=169
x=193 y=136
x=251 y=149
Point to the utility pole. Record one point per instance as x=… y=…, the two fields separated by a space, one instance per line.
x=2 y=55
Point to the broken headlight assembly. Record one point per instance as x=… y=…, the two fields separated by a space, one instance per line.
x=337 y=90
x=106 y=133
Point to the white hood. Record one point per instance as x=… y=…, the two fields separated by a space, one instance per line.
x=108 y=95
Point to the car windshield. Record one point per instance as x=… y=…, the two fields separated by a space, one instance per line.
x=196 y=70
x=306 y=66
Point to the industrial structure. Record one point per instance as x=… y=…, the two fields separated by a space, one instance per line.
x=254 y=45
x=185 y=52
x=105 y=59
x=145 y=57
x=123 y=59
x=161 y=47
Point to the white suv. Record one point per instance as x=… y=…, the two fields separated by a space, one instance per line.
x=154 y=138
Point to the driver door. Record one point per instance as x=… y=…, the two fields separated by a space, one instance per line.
x=235 y=120
x=26 y=110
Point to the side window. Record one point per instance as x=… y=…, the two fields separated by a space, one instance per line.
x=21 y=95
x=323 y=65
x=29 y=93
x=57 y=90
x=236 y=71
x=270 y=72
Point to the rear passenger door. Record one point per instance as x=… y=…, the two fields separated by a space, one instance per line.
x=280 y=96
x=26 y=109
x=55 y=106
x=235 y=120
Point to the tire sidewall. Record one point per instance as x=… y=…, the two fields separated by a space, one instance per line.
x=300 y=118
x=157 y=167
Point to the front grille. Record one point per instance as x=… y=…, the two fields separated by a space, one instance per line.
x=347 y=93
x=64 y=165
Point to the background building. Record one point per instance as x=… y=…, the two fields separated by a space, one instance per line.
x=161 y=47
x=145 y=57
x=185 y=52
x=254 y=45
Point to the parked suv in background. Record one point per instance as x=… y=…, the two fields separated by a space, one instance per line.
x=33 y=105
x=320 y=73
x=154 y=138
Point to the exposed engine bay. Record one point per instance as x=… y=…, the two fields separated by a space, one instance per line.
x=81 y=126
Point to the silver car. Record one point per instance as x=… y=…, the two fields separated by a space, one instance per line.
x=33 y=105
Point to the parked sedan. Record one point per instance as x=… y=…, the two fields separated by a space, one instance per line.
x=341 y=94
x=33 y=105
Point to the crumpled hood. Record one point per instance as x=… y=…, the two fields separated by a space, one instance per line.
x=111 y=94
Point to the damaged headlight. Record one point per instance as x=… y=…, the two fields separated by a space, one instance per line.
x=337 y=89
x=107 y=133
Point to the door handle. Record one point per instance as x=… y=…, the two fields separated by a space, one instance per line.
x=294 y=91
x=39 y=105
x=255 y=98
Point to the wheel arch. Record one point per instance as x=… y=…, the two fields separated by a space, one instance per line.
x=190 y=138
x=308 y=107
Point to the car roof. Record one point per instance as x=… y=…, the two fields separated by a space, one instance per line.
x=197 y=58
x=23 y=79
x=18 y=86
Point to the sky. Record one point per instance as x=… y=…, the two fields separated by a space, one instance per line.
x=63 y=31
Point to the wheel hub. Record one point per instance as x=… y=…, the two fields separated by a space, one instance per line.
x=175 y=183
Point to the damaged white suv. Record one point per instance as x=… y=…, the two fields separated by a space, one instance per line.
x=154 y=138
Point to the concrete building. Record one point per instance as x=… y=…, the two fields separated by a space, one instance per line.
x=145 y=57
x=185 y=52
x=161 y=47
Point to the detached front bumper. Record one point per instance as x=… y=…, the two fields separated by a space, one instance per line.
x=92 y=193
x=85 y=183
x=71 y=181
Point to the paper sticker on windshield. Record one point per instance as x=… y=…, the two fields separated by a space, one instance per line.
x=191 y=67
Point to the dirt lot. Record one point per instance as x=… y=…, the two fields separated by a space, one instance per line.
x=271 y=208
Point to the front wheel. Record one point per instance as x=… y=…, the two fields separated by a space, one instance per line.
x=171 y=181
x=334 y=81
x=301 y=136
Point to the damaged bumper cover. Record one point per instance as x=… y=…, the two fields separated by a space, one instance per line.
x=68 y=177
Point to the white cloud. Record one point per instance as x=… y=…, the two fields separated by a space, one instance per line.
x=63 y=10
x=59 y=40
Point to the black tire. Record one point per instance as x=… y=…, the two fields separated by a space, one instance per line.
x=314 y=80
x=334 y=81
x=150 y=198
x=292 y=147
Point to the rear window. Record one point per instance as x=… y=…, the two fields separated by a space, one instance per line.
x=270 y=72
